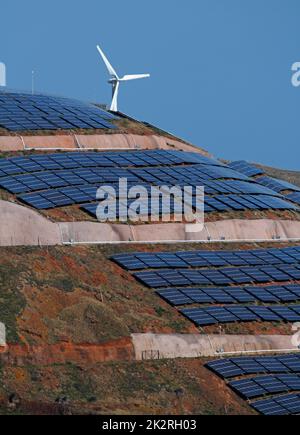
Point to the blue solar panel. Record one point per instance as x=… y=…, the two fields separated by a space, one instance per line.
x=265 y=314
x=269 y=407
x=175 y=297
x=243 y=314
x=286 y=313
x=38 y=201
x=248 y=388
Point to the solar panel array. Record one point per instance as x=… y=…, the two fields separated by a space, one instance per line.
x=230 y=295
x=62 y=179
x=274 y=184
x=22 y=111
x=279 y=376
x=228 y=278
x=245 y=168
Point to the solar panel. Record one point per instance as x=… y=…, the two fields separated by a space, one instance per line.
x=282 y=294
x=274 y=273
x=215 y=277
x=240 y=294
x=219 y=295
x=286 y=313
x=225 y=368
x=291 y=362
x=249 y=366
x=291 y=271
x=256 y=274
x=265 y=314
x=294 y=288
x=175 y=297
x=199 y=317
x=197 y=295
x=244 y=314
x=151 y=279
x=248 y=388
x=269 y=407
x=236 y=275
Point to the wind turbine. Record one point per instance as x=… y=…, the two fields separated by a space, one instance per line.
x=115 y=80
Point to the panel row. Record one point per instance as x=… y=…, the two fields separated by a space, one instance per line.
x=222 y=276
x=186 y=259
x=277 y=185
x=20 y=183
x=260 y=386
x=230 y=295
x=79 y=159
x=220 y=203
x=233 y=367
x=274 y=184
x=70 y=177
x=250 y=313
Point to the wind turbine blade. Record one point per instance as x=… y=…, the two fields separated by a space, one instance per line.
x=114 y=103
x=111 y=70
x=135 y=77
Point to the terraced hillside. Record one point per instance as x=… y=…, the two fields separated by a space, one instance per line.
x=72 y=314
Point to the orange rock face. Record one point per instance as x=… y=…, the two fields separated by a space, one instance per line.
x=80 y=354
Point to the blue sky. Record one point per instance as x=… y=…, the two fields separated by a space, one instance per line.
x=221 y=69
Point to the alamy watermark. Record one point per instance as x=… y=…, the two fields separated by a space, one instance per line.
x=141 y=204
x=296 y=74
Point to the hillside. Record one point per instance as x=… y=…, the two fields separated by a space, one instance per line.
x=159 y=387
x=82 y=333
x=50 y=366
